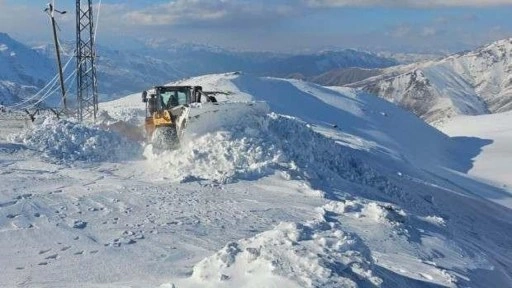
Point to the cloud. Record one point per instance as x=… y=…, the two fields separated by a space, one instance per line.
x=190 y=12
x=470 y=17
x=400 y=31
x=407 y=3
x=27 y=21
x=246 y=12
x=19 y=19
x=282 y=25
x=429 y=31
x=414 y=33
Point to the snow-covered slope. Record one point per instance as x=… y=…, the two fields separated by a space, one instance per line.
x=374 y=151
x=373 y=123
x=471 y=83
x=493 y=163
x=291 y=185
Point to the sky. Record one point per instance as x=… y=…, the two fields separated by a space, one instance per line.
x=275 y=25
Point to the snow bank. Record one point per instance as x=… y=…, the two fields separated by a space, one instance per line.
x=319 y=158
x=315 y=254
x=63 y=140
x=250 y=143
x=382 y=213
x=222 y=147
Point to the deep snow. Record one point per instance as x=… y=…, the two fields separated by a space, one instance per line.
x=344 y=189
x=493 y=163
x=63 y=140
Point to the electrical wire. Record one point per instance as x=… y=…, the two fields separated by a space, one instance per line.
x=53 y=91
x=97 y=21
x=49 y=85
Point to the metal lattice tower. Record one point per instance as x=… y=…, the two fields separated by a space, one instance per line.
x=87 y=87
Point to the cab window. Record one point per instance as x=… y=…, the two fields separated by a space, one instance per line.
x=182 y=97
x=168 y=99
x=171 y=99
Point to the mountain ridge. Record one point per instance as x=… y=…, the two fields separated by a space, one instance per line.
x=467 y=83
x=127 y=71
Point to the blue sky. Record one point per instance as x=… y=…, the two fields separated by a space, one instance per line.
x=278 y=25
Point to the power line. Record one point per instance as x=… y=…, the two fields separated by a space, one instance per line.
x=47 y=95
x=97 y=20
x=49 y=85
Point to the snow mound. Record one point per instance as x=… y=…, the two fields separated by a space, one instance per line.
x=383 y=213
x=222 y=147
x=63 y=140
x=255 y=144
x=314 y=254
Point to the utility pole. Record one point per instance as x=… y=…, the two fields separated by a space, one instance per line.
x=87 y=86
x=51 y=12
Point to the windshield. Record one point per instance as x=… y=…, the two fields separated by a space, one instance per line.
x=173 y=98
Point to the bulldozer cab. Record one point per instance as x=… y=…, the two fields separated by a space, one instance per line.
x=167 y=97
x=170 y=98
x=167 y=112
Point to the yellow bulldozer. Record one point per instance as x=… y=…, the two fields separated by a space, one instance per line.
x=167 y=112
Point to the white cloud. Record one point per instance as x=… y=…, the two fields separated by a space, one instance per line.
x=400 y=31
x=429 y=31
x=207 y=11
x=407 y=3
x=259 y=24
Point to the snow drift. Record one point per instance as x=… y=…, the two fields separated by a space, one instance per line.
x=425 y=229
x=249 y=143
x=317 y=253
x=67 y=141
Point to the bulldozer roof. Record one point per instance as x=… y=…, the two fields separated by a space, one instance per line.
x=172 y=88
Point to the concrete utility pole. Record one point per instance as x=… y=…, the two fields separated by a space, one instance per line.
x=51 y=12
x=87 y=86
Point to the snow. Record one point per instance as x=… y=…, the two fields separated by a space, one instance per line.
x=493 y=164
x=314 y=254
x=261 y=144
x=63 y=140
x=471 y=83
x=232 y=152
x=282 y=184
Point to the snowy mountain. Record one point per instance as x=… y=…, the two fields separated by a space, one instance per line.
x=399 y=213
x=282 y=183
x=471 y=83
x=22 y=70
x=123 y=72
x=409 y=58
x=342 y=77
x=148 y=67
x=120 y=72
x=200 y=59
x=315 y=64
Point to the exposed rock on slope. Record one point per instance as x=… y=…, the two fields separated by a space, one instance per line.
x=472 y=83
